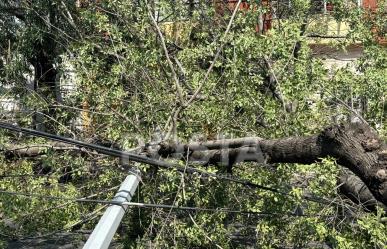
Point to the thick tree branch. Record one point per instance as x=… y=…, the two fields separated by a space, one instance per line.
x=12 y=151
x=355 y=146
x=354 y=189
x=211 y=152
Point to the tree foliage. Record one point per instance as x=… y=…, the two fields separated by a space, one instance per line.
x=105 y=72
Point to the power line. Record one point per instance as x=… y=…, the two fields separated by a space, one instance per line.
x=128 y=156
x=23 y=175
x=97 y=201
x=86 y=218
x=56 y=198
x=162 y=206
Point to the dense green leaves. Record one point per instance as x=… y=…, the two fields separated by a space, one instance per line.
x=115 y=87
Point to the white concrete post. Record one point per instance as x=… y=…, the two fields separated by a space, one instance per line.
x=103 y=233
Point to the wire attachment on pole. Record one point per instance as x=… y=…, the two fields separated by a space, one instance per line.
x=103 y=233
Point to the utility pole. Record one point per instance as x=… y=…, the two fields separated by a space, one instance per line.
x=103 y=233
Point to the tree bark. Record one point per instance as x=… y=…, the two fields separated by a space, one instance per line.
x=354 y=189
x=355 y=146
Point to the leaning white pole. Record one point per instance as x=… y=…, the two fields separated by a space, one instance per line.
x=106 y=228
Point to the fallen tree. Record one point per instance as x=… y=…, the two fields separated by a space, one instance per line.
x=355 y=146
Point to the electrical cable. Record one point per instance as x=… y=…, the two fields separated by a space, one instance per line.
x=128 y=156
x=162 y=206
x=22 y=175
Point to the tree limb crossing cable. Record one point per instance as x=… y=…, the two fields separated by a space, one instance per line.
x=128 y=156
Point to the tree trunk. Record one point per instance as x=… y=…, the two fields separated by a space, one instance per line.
x=355 y=146
x=44 y=86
